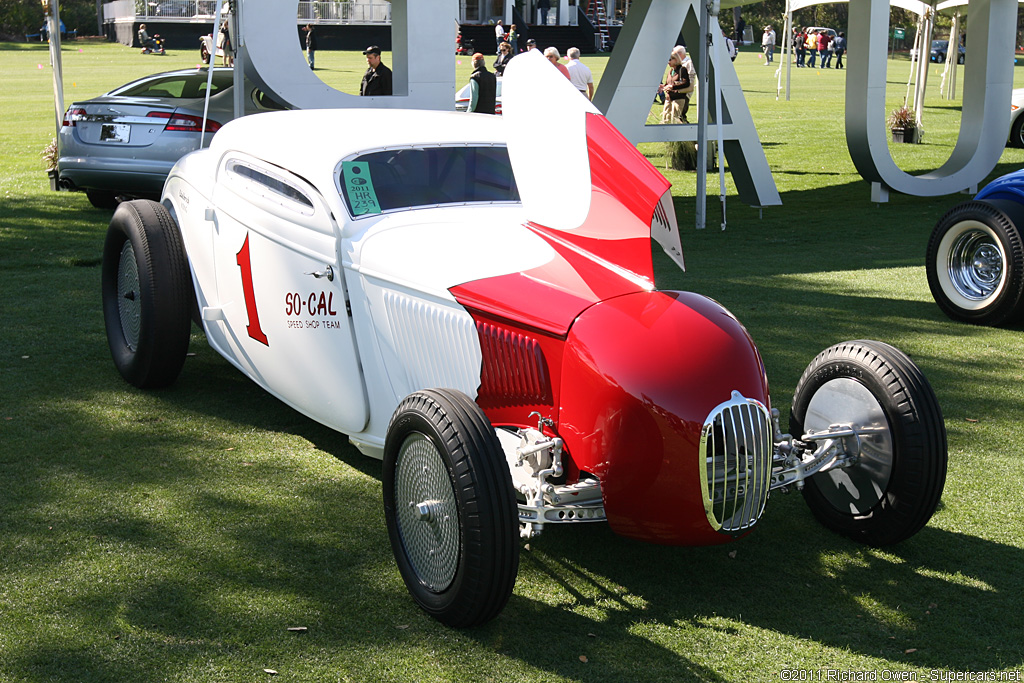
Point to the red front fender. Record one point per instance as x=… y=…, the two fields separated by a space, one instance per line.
x=640 y=375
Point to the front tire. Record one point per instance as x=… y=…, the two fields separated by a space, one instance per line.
x=450 y=508
x=894 y=488
x=975 y=262
x=1017 y=132
x=147 y=294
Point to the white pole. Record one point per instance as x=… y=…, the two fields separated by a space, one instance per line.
x=53 y=22
x=209 y=70
x=718 y=53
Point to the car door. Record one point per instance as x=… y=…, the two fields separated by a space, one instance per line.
x=283 y=317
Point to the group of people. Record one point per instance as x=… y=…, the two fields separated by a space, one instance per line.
x=483 y=84
x=809 y=43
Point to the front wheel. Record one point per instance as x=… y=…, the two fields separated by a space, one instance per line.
x=894 y=487
x=450 y=508
x=975 y=262
x=147 y=294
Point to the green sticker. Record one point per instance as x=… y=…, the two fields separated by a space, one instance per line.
x=359 y=188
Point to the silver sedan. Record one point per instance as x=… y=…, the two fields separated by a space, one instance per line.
x=124 y=143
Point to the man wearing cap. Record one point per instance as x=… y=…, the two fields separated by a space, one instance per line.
x=531 y=44
x=483 y=87
x=377 y=79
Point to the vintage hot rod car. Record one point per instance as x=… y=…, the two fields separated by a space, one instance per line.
x=975 y=260
x=416 y=281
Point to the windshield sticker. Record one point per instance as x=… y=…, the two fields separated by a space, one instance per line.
x=359 y=188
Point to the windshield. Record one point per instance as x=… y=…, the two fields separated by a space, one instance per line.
x=411 y=177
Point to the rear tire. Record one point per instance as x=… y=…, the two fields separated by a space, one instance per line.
x=147 y=294
x=975 y=262
x=102 y=199
x=894 y=488
x=450 y=508
x=1017 y=132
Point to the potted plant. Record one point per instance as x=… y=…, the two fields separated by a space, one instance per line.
x=49 y=155
x=903 y=124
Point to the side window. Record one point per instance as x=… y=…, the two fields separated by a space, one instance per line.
x=270 y=185
x=431 y=176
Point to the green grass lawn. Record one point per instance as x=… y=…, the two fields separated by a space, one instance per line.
x=177 y=535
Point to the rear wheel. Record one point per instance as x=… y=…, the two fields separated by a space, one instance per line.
x=975 y=262
x=102 y=199
x=1017 y=132
x=147 y=294
x=894 y=487
x=450 y=508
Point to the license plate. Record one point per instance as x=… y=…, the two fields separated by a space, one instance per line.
x=115 y=132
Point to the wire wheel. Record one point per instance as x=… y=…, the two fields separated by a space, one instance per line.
x=451 y=511
x=426 y=512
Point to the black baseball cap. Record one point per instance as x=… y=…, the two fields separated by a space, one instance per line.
x=531 y=41
x=372 y=50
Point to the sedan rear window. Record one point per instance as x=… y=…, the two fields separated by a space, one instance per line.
x=190 y=85
x=431 y=176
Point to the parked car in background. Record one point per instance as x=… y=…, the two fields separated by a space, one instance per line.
x=462 y=98
x=417 y=282
x=940 y=50
x=125 y=142
x=975 y=256
x=1016 y=138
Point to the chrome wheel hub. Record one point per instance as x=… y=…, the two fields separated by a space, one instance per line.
x=859 y=488
x=426 y=512
x=975 y=264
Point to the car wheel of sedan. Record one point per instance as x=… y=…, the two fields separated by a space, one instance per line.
x=894 y=487
x=450 y=508
x=147 y=294
x=1017 y=132
x=975 y=262
x=102 y=199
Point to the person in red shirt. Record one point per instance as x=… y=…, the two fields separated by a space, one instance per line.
x=552 y=54
x=824 y=54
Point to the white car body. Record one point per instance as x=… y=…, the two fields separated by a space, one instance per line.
x=418 y=281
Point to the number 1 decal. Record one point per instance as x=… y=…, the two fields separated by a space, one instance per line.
x=245 y=265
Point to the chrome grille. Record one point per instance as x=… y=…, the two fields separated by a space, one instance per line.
x=736 y=450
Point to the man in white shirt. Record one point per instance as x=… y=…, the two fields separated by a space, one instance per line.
x=499 y=36
x=768 y=45
x=579 y=73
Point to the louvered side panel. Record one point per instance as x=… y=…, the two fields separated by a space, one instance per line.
x=438 y=346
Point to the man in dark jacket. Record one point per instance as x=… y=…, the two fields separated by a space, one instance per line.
x=377 y=79
x=483 y=87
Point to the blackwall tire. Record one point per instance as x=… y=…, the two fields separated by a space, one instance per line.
x=895 y=487
x=147 y=294
x=975 y=262
x=102 y=199
x=1017 y=132
x=451 y=512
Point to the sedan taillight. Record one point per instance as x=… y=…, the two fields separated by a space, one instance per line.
x=72 y=116
x=185 y=122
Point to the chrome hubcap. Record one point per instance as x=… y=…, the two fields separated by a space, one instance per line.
x=426 y=512
x=128 y=304
x=975 y=265
x=855 y=489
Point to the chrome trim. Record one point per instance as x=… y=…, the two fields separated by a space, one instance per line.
x=736 y=460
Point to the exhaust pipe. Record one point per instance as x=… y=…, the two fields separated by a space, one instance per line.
x=65 y=185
